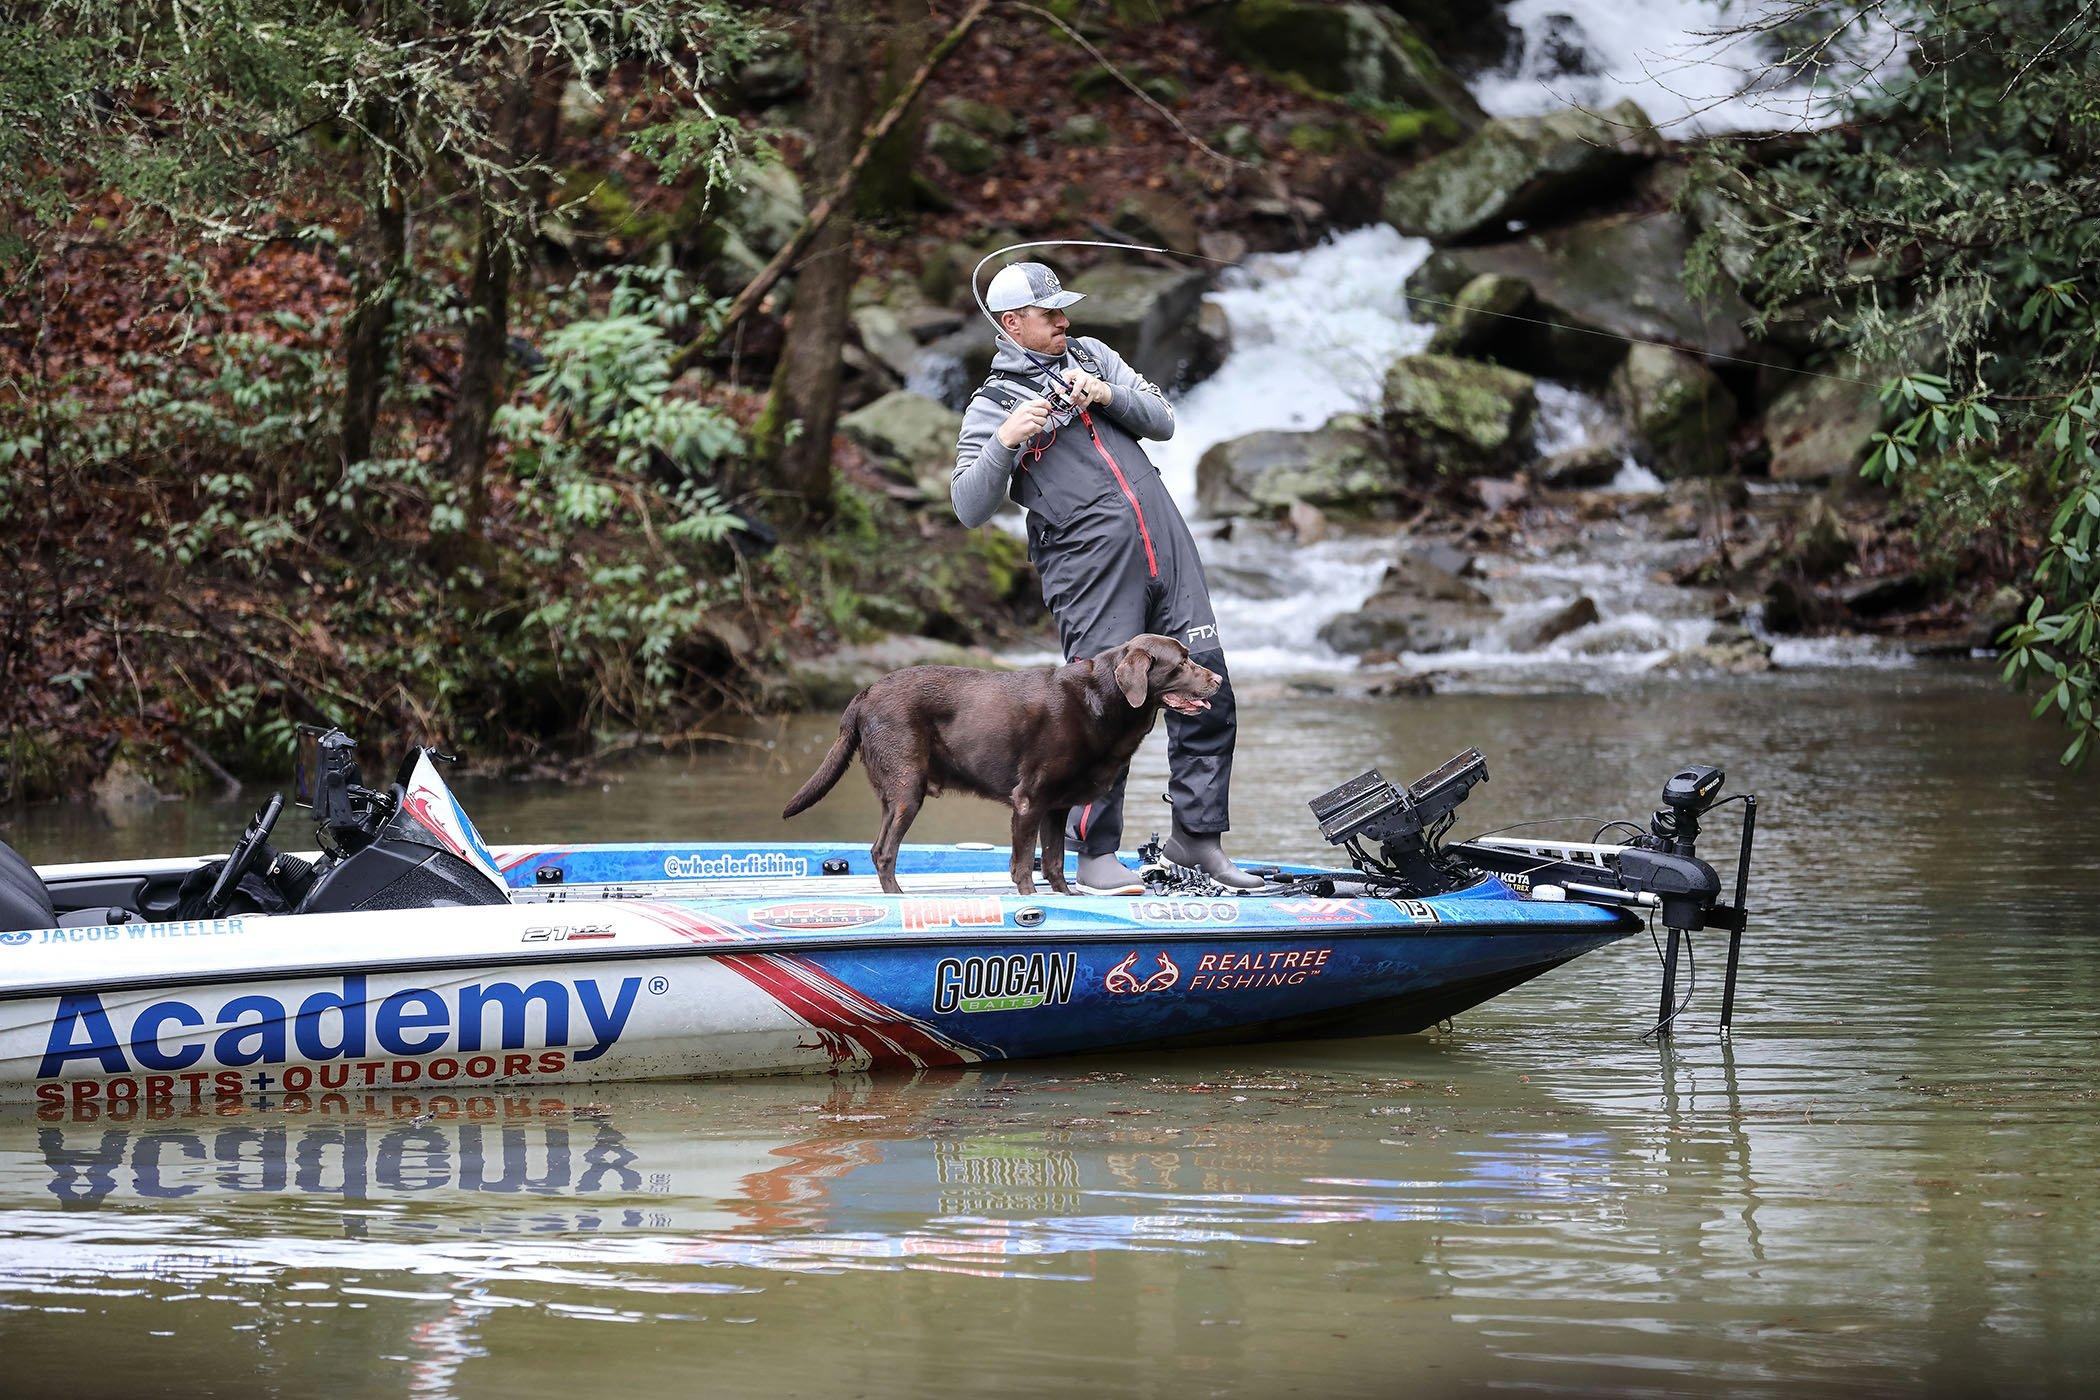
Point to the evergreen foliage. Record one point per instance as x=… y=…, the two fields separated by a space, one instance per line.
x=1945 y=235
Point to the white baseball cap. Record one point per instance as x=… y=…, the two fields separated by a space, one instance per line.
x=1028 y=284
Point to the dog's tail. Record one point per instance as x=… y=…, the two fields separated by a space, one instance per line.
x=834 y=765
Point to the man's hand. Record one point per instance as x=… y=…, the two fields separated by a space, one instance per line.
x=1087 y=389
x=1023 y=423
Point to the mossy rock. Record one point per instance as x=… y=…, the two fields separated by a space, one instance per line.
x=911 y=431
x=1681 y=415
x=1821 y=428
x=1403 y=131
x=1341 y=467
x=1458 y=417
x=1358 y=52
x=596 y=218
x=986 y=120
x=1477 y=316
x=1095 y=83
x=1622 y=274
x=1239 y=141
x=1154 y=216
x=1315 y=138
x=1519 y=168
x=1082 y=129
x=960 y=149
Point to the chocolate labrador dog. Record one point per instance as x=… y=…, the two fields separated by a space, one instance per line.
x=1043 y=742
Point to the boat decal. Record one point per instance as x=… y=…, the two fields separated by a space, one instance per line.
x=699 y=866
x=1327 y=911
x=816 y=915
x=570 y=933
x=1121 y=980
x=127 y=933
x=1186 y=911
x=928 y=912
x=1012 y=982
x=431 y=803
x=198 y=1046
x=848 y=1023
x=541 y=854
x=1248 y=971
x=887 y=1039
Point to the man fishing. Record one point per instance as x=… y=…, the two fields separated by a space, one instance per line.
x=1055 y=428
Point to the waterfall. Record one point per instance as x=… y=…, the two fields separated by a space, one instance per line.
x=1675 y=59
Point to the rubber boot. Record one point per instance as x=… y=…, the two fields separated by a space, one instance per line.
x=1104 y=874
x=1207 y=854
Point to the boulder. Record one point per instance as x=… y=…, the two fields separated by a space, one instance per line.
x=1581 y=468
x=1821 y=428
x=1520 y=168
x=1360 y=52
x=1148 y=314
x=768 y=209
x=883 y=335
x=1340 y=466
x=1820 y=545
x=1475 y=322
x=1417 y=608
x=1083 y=129
x=2005 y=607
x=1242 y=581
x=1308 y=522
x=1457 y=417
x=1730 y=651
x=924 y=323
x=1542 y=632
x=1621 y=274
x=1884 y=594
x=1681 y=414
x=828 y=682
x=1442 y=556
x=960 y=149
x=1154 y=216
x=983 y=118
x=912 y=432
x=775 y=70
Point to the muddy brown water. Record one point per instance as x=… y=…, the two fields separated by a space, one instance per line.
x=1885 y=1183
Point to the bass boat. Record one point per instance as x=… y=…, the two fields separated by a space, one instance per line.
x=407 y=953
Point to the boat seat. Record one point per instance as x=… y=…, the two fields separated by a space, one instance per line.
x=25 y=902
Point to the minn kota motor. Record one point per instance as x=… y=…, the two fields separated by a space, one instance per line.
x=1394 y=836
x=1686 y=889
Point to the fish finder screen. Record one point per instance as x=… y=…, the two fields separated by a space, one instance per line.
x=306 y=764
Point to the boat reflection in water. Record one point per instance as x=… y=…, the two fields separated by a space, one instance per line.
x=983 y=1170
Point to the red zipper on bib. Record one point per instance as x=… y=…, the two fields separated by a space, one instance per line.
x=1151 y=560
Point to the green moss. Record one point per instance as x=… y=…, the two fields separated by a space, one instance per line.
x=1314 y=138
x=1402 y=130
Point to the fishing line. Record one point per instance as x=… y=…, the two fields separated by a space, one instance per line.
x=1049 y=367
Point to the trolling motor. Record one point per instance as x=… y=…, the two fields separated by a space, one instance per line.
x=1659 y=869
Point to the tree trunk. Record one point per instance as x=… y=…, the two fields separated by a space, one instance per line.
x=805 y=386
x=367 y=336
x=533 y=121
x=888 y=186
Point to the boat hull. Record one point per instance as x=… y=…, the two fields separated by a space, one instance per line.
x=804 y=981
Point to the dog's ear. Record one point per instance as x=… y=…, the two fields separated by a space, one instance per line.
x=1134 y=676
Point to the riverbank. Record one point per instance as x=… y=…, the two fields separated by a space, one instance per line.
x=202 y=569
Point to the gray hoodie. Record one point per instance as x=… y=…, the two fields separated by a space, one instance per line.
x=984 y=468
